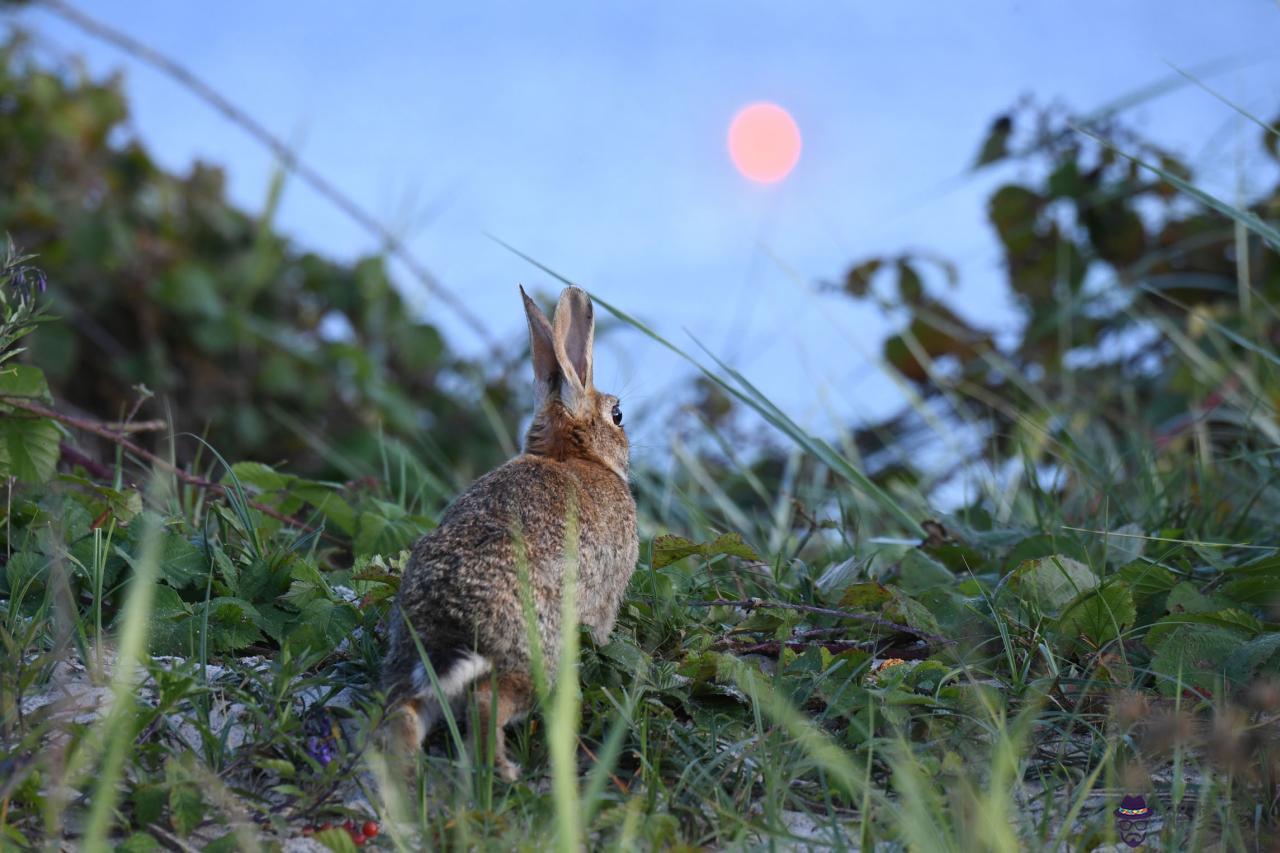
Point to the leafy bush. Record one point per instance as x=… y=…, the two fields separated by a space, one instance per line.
x=281 y=354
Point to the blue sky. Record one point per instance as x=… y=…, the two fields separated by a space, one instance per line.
x=592 y=136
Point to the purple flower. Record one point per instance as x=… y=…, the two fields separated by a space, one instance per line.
x=320 y=748
x=26 y=279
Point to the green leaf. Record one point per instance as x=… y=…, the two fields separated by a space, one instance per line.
x=123 y=505
x=1271 y=140
x=1013 y=210
x=1193 y=656
x=282 y=768
x=170 y=624
x=233 y=624
x=906 y=610
x=182 y=564
x=264 y=578
x=1124 y=544
x=918 y=572
x=1246 y=625
x=956 y=556
x=857 y=282
x=1259 y=655
x=264 y=478
x=274 y=621
x=148 y=803
x=996 y=146
x=322 y=625
x=1099 y=615
x=1050 y=583
x=927 y=676
x=25 y=381
x=1185 y=598
x=910 y=285
x=139 y=842
x=865 y=596
x=1045 y=545
x=186 y=806
x=1266 y=566
x=1065 y=181
x=1259 y=591
x=1115 y=230
x=25 y=568
x=701 y=667
x=670 y=548
x=228 y=843
x=336 y=839
x=328 y=502
x=626 y=655
x=1147 y=580
x=29 y=448
x=936 y=331
x=381 y=533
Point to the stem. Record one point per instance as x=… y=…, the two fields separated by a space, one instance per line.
x=753 y=603
x=104 y=431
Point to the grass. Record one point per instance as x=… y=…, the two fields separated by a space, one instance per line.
x=1010 y=739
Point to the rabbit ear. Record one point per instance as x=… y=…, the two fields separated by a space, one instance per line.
x=546 y=369
x=574 y=334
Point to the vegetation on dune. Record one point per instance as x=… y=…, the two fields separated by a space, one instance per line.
x=805 y=657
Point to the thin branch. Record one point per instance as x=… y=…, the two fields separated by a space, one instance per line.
x=103 y=431
x=95 y=468
x=753 y=603
x=622 y=786
x=835 y=647
x=169 y=838
x=310 y=176
x=137 y=426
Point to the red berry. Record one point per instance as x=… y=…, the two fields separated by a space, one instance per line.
x=370 y=828
x=328 y=824
x=349 y=826
x=359 y=839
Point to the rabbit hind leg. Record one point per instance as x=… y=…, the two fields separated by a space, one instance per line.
x=499 y=704
x=409 y=724
x=413 y=718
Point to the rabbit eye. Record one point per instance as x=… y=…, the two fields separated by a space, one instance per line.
x=617 y=416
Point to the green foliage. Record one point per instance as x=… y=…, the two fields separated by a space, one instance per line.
x=1100 y=249
x=668 y=548
x=1050 y=582
x=163 y=284
x=1098 y=616
x=29 y=448
x=28 y=442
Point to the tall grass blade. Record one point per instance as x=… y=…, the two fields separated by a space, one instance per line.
x=757 y=401
x=1247 y=218
x=114 y=730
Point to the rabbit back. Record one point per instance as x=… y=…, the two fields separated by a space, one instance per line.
x=461 y=592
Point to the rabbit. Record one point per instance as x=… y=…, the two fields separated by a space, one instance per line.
x=460 y=596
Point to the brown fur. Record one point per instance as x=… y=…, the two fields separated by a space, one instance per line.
x=461 y=593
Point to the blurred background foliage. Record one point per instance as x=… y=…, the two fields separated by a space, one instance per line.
x=1117 y=274
x=282 y=355
x=288 y=358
